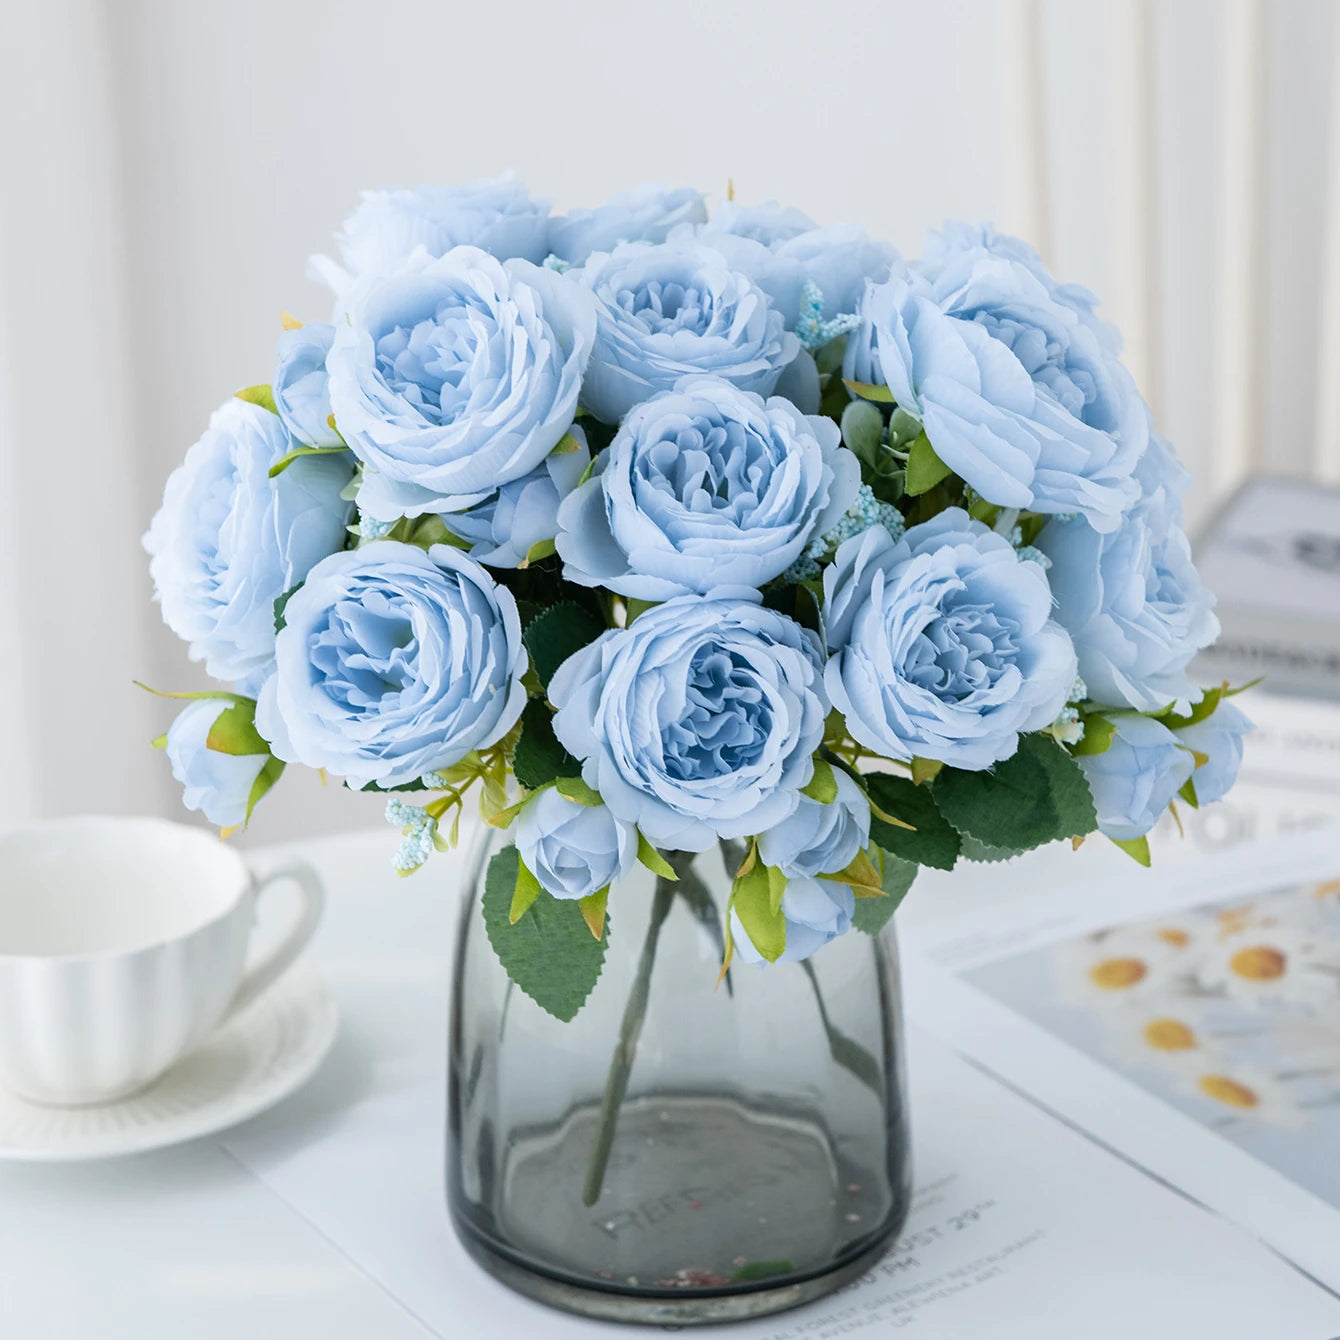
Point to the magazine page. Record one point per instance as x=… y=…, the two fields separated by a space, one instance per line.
x=1190 y=1020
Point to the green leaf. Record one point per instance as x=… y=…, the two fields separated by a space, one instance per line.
x=1098 y=733
x=926 y=770
x=567 y=444
x=577 y=791
x=635 y=608
x=863 y=430
x=234 y=732
x=932 y=841
x=776 y=888
x=881 y=395
x=823 y=785
x=524 y=892
x=653 y=859
x=424 y=532
x=265 y=779
x=550 y=953
x=752 y=901
x=222 y=694
x=861 y=874
x=593 y=910
x=553 y=636
x=762 y=1270
x=924 y=468
x=973 y=850
x=873 y=914
x=281 y=604
x=298 y=453
x=1136 y=848
x=539 y=758
x=158 y=742
x=1034 y=797
x=261 y=395
x=1188 y=793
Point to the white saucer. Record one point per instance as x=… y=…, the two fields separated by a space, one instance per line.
x=247 y=1065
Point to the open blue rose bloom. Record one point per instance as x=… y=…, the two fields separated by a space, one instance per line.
x=669 y=528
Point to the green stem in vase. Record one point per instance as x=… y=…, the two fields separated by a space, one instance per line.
x=625 y=1049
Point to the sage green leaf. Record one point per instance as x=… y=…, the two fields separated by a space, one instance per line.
x=863 y=430
x=932 y=840
x=764 y=924
x=973 y=850
x=550 y=953
x=553 y=635
x=234 y=731
x=281 y=604
x=539 y=758
x=924 y=468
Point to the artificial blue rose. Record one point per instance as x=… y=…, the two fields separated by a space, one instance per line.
x=217 y=784
x=508 y=524
x=1132 y=599
x=816 y=911
x=697 y=721
x=942 y=643
x=820 y=839
x=453 y=379
x=228 y=540
x=956 y=237
x=573 y=850
x=1136 y=777
x=705 y=486
x=782 y=249
x=669 y=311
x=301 y=386
x=644 y=214
x=1218 y=739
x=392 y=663
x=393 y=227
x=1016 y=392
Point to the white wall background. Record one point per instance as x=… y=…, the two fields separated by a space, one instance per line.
x=168 y=167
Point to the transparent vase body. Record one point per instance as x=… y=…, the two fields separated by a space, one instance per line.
x=758 y=1156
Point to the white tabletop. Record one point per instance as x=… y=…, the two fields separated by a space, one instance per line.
x=189 y=1242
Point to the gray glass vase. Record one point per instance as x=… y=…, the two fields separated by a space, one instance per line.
x=681 y=1151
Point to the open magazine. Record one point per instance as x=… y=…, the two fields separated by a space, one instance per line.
x=1190 y=1022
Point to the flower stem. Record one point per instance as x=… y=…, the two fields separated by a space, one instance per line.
x=625 y=1049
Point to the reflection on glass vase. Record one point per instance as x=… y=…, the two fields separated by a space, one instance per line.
x=681 y=1151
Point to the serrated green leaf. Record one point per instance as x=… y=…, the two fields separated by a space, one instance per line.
x=281 y=604
x=973 y=850
x=653 y=860
x=1037 y=796
x=1098 y=733
x=576 y=790
x=298 y=453
x=924 y=468
x=823 y=785
x=556 y=633
x=1136 y=848
x=234 y=731
x=873 y=914
x=752 y=901
x=881 y=395
x=550 y=953
x=932 y=840
x=262 y=395
x=539 y=758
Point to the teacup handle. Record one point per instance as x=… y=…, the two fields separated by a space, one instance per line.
x=264 y=974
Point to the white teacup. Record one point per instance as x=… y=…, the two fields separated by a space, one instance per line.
x=123 y=942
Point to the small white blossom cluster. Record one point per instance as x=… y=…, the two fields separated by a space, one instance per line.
x=865 y=512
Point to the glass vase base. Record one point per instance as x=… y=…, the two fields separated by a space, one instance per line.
x=709 y=1210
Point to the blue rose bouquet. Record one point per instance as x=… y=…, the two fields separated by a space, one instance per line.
x=667 y=531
